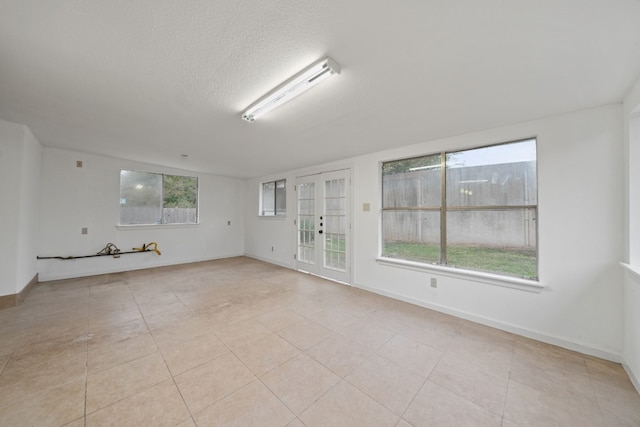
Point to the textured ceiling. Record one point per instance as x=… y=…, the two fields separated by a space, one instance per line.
x=150 y=80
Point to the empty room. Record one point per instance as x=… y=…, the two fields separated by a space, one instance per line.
x=358 y=213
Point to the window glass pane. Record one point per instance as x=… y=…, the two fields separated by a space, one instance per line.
x=490 y=211
x=412 y=182
x=268 y=198
x=498 y=241
x=273 y=198
x=411 y=235
x=335 y=237
x=140 y=198
x=335 y=249
x=501 y=175
x=342 y=261
x=281 y=197
x=306 y=223
x=180 y=199
x=153 y=198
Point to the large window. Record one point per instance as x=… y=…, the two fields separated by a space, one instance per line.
x=153 y=198
x=474 y=209
x=273 y=198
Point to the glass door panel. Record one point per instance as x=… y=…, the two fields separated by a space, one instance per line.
x=306 y=222
x=323 y=225
x=335 y=256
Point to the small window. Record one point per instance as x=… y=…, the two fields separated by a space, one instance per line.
x=474 y=209
x=273 y=198
x=153 y=198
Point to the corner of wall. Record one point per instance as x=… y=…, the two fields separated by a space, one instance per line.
x=631 y=306
x=29 y=195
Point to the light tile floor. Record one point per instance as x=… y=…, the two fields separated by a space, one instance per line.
x=238 y=342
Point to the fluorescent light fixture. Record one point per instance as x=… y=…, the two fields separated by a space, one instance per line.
x=305 y=79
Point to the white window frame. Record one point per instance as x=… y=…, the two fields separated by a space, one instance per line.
x=275 y=214
x=161 y=224
x=482 y=276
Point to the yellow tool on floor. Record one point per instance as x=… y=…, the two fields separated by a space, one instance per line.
x=153 y=246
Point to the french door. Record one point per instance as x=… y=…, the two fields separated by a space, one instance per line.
x=323 y=225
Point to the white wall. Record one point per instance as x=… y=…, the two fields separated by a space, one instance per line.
x=30 y=195
x=20 y=169
x=579 y=227
x=74 y=198
x=631 y=340
x=580 y=175
x=632 y=149
x=11 y=136
x=631 y=309
x=264 y=233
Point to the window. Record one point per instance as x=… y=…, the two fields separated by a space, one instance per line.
x=474 y=209
x=153 y=198
x=273 y=198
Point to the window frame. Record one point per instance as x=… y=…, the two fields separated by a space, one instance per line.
x=275 y=214
x=162 y=206
x=502 y=279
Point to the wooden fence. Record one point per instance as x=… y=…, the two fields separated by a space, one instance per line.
x=506 y=184
x=152 y=215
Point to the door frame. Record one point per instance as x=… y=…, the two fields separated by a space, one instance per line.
x=318 y=178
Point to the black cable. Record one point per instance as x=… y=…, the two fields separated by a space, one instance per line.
x=109 y=250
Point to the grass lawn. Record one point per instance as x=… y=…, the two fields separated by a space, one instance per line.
x=510 y=261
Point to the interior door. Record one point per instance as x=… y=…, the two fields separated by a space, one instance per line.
x=323 y=225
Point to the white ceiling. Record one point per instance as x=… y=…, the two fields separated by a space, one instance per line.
x=150 y=80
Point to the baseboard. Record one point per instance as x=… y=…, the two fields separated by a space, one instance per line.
x=538 y=336
x=12 y=300
x=270 y=261
x=7 y=301
x=122 y=270
x=632 y=375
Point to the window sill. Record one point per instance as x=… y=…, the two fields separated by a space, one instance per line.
x=153 y=226
x=476 y=276
x=281 y=218
x=634 y=270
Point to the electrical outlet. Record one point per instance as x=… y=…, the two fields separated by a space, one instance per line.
x=228 y=222
x=434 y=282
x=85 y=230
x=78 y=163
